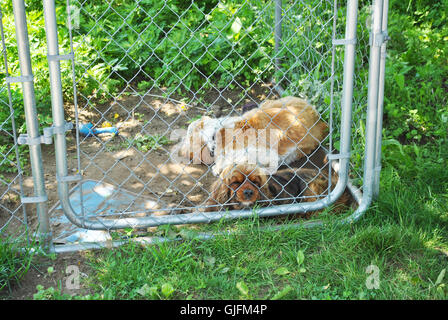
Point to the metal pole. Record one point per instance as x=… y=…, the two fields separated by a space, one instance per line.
x=32 y=124
x=379 y=128
x=57 y=102
x=13 y=125
x=278 y=31
x=347 y=87
x=278 y=39
x=372 y=107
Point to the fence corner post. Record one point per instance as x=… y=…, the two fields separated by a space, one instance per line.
x=32 y=124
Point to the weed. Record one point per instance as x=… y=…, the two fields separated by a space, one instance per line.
x=15 y=260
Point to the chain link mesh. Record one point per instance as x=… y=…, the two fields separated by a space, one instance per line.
x=13 y=217
x=148 y=68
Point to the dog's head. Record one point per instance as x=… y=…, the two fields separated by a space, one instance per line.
x=240 y=187
x=198 y=144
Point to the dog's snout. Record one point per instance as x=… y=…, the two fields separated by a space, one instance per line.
x=248 y=193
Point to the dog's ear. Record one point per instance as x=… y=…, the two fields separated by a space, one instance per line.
x=206 y=156
x=273 y=187
x=220 y=193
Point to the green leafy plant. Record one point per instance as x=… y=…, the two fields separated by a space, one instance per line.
x=243 y=289
x=145 y=143
x=14 y=262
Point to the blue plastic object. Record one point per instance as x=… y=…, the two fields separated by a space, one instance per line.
x=88 y=130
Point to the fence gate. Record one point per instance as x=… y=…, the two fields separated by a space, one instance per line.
x=132 y=84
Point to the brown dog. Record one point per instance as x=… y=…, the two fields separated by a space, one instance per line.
x=294 y=124
x=278 y=132
x=244 y=185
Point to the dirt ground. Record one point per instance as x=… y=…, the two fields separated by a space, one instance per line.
x=38 y=275
x=134 y=166
x=127 y=161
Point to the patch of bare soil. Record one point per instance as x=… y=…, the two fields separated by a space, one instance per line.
x=65 y=267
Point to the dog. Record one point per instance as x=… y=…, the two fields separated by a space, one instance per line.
x=293 y=126
x=277 y=133
x=243 y=186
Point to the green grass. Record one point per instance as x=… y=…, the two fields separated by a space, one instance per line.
x=404 y=234
x=145 y=143
x=15 y=260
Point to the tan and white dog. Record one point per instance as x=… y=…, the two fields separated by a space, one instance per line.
x=277 y=132
x=199 y=144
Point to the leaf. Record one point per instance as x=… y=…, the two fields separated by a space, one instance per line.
x=167 y=289
x=440 y=277
x=50 y=270
x=282 y=293
x=242 y=288
x=399 y=78
x=300 y=257
x=281 y=271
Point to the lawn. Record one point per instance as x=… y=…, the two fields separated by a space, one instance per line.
x=398 y=250
x=402 y=240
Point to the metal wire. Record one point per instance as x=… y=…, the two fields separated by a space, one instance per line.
x=146 y=106
x=7 y=188
x=107 y=173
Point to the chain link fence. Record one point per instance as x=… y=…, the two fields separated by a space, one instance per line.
x=13 y=217
x=131 y=80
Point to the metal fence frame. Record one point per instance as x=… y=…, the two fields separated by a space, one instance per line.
x=372 y=157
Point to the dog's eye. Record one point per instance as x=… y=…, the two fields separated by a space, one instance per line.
x=234 y=185
x=257 y=183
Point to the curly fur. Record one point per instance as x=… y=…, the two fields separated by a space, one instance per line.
x=297 y=125
x=294 y=124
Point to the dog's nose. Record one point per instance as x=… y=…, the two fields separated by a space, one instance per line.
x=248 y=193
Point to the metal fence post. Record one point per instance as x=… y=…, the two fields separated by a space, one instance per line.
x=376 y=41
x=347 y=89
x=278 y=44
x=379 y=130
x=32 y=124
x=57 y=101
